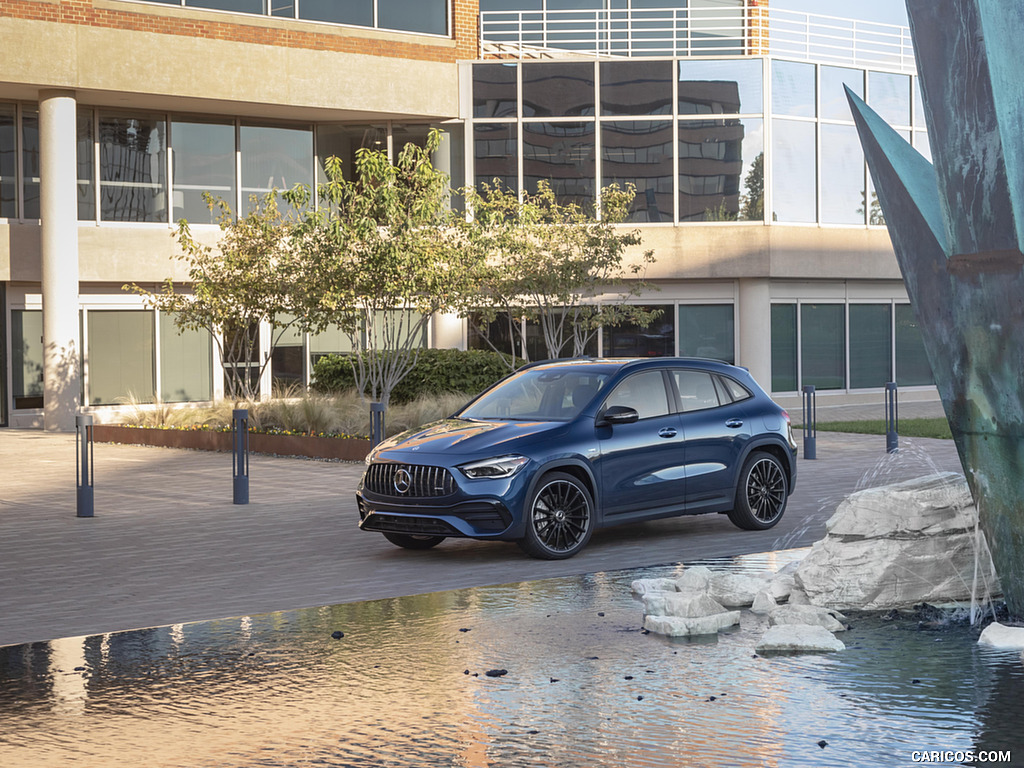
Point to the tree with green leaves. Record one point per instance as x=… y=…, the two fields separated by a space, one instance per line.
x=384 y=251
x=252 y=276
x=555 y=264
x=752 y=201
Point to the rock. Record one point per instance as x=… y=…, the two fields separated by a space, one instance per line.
x=681 y=604
x=998 y=635
x=681 y=626
x=496 y=672
x=898 y=545
x=808 y=614
x=799 y=637
x=337 y=634
x=764 y=602
x=734 y=590
x=694 y=579
x=646 y=586
x=798 y=597
x=781 y=586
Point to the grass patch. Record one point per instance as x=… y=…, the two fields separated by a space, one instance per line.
x=937 y=427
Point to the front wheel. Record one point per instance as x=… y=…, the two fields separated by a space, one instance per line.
x=410 y=541
x=761 y=494
x=559 y=518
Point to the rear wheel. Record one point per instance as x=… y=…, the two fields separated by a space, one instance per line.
x=559 y=518
x=761 y=493
x=413 y=541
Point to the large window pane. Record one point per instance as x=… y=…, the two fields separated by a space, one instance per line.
x=823 y=345
x=133 y=169
x=27 y=358
x=640 y=153
x=495 y=155
x=842 y=174
x=203 y=161
x=793 y=191
x=560 y=89
x=793 y=89
x=238 y=6
x=429 y=16
x=86 y=162
x=716 y=87
x=563 y=155
x=721 y=170
x=870 y=345
x=498 y=335
x=784 y=357
x=889 y=96
x=636 y=88
x=912 y=366
x=30 y=163
x=656 y=339
x=707 y=330
x=120 y=356
x=494 y=90
x=343 y=141
x=185 y=371
x=287 y=358
x=274 y=158
x=537 y=349
x=8 y=163
x=834 y=81
x=358 y=12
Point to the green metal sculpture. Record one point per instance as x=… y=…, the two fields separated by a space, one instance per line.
x=957 y=228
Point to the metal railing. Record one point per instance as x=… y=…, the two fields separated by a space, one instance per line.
x=747 y=29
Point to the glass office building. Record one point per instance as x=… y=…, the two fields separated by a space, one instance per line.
x=751 y=185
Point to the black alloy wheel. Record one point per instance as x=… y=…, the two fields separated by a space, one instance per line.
x=560 y=518
x=761 y=493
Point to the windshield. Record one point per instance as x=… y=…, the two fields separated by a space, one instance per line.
x=539 y=394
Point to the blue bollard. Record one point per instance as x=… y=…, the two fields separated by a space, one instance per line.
x=84 y=465
x=892 y=417
x=240 y=455
x=810 y=423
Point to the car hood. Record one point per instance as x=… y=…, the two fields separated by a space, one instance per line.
x=464 y=436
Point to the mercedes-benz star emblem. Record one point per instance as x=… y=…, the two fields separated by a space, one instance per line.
x=403 y=480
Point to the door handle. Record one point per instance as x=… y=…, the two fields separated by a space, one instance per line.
x=667 y=432
x=734 y=423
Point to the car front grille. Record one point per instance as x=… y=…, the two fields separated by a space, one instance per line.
x=429 y=526
x=407 y=481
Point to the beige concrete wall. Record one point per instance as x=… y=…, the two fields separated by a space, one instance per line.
x=776 y=251
x=136 y=69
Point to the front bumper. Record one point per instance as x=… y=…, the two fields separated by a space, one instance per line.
x=478 y=518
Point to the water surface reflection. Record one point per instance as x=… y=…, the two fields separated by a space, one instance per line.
x=407 y=686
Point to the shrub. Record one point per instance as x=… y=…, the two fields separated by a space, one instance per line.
x=437 y=371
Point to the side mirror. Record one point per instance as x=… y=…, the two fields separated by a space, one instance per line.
x=618 y=414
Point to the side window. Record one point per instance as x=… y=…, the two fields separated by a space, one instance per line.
x=737 y=390
x=644 y=392
x=696 y=390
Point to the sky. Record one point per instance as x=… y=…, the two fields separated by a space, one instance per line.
x=882 y=11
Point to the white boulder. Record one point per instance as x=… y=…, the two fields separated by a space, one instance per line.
x=998 y=635
x=694 y=579
x=646 y=586
x=808 y=614
x=734 y=590
x=799 y=637
x=680 y=604
x=781 y=585
x=682 y=626
x=896 y=546
x=764 y=602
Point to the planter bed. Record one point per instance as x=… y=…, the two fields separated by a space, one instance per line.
x=342 y=448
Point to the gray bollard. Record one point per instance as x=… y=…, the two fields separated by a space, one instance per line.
x=810 y=423
x=892 y=417
x=84 y=465
x=240 y=455
x=376 y=423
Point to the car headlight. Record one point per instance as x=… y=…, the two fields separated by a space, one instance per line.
x=502 y=466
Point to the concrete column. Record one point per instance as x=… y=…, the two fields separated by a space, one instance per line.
x=58 y=218
x=755 y=315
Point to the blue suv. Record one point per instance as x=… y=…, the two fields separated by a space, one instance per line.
x=561 y=448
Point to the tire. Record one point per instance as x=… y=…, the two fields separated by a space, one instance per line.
x=559 y=518
x=761 y=493
x=411 y=541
